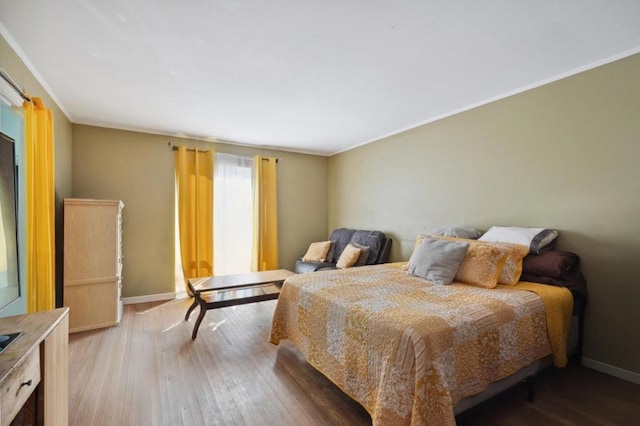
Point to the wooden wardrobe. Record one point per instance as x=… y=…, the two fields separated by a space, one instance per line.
x=92 y=262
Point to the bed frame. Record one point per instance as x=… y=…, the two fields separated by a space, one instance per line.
x=526 y=374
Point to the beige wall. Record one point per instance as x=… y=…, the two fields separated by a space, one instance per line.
x=12 y=64
x=565 y=156
x=138 y=168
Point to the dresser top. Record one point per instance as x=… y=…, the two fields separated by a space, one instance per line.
x=92 y=202
x=34 y=327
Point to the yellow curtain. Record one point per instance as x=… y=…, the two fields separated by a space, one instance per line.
x=39 y=170
x=265 y=216
x=194 y=183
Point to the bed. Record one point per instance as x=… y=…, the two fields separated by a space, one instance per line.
x=416 y=353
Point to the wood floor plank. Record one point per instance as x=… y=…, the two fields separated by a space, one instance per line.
x=148 y=371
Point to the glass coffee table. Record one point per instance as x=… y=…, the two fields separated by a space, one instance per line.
x=230 y=290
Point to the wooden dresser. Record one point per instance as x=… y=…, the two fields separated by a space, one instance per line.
x=37 y=360
x=92 y=262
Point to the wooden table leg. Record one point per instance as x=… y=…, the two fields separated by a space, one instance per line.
x=203 y=311
x=191 y=308
x=197 y=324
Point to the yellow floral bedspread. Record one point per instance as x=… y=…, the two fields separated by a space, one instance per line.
x=408 y=350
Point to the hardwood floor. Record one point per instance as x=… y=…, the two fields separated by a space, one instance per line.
x=148 y=371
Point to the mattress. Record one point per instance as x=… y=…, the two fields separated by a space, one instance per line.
x=407 y=350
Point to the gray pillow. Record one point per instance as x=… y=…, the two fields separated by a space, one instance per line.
x=460 y=232
x=437 y=260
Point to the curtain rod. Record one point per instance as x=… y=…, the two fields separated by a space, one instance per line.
x=175 y=148
x=6 y=77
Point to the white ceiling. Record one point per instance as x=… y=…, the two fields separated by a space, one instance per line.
x=317 y=76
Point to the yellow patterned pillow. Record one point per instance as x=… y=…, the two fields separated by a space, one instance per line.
x=349 y=256
x=317 y=252
x=512 y=268
x=482 y=264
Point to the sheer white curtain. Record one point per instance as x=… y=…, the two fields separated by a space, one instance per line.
x=232 y=214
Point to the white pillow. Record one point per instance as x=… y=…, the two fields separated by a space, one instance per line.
x=534 y=238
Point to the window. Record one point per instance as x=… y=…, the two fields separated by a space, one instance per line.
x=232 y=214
x=239 y=227
x=12 y=124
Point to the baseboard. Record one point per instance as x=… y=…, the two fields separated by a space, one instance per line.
x=620 y=373
x=149 y=298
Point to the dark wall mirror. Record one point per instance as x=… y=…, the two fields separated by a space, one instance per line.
x=9 y=276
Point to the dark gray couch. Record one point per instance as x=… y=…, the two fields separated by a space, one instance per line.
x=379 y=248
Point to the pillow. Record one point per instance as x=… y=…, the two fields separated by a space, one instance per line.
x=317 y=252
x=459 y=232
x=562 y=265
x=349 y=257
x=513 y=264
x=482 y=265
x=419 y=239
x=364 y=254
x=536 y=239
x=437 y=261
